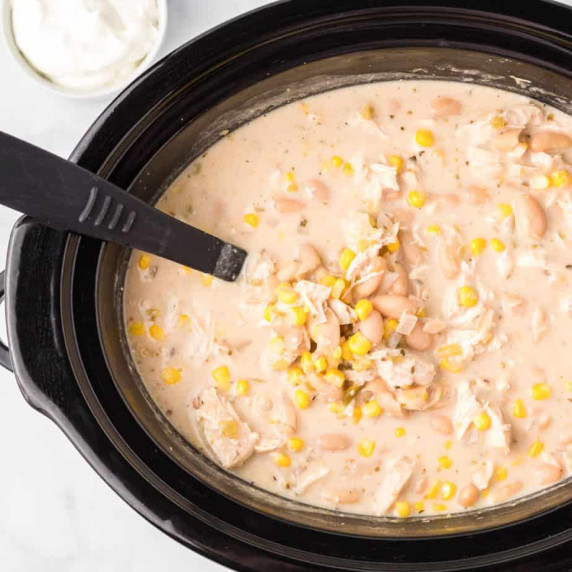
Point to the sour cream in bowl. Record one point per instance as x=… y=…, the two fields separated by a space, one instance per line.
x=84 y=48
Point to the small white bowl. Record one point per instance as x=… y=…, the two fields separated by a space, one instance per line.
x=6 y=16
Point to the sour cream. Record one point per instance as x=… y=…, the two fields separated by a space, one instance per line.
x=85 y=44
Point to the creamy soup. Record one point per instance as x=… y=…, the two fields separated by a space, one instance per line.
x=398 y=342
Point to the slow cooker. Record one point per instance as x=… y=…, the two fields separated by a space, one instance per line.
x=63 y=293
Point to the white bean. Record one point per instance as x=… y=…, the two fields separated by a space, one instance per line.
x=367 y=288
x=316 y=189
x=442 y=424
x=547 y=141
x=412 y=253
x=449 y=260
x=288 y=271
x=327 y=334
x=286 y=205
x=418 y=339
x=507 y=140
x=548 y=473
x=309 y=258
x=468 y=495
x=530 y=217
x=334 y=442
x=372 y=327
x=444 y=106
x=393 y=306
x=401 y=285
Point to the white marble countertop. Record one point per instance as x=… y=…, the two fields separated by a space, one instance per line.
x=56 y=514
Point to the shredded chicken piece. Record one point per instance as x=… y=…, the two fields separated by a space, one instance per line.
x=483 y=474
x=314 y=297
x=260 y=267
x=230 y=438
x=310 y=475
x=398 y=471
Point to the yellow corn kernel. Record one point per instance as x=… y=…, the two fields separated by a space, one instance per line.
x=302 y=398
x=229 y=428
x=136 y=328
x=445 y=363
x=396 y=161
x=290 y=176
x=519 y=409
x=364 y=244
x=295 y=374
x=445 y=462
x=336 y=407
x=403 y=509
x=285 y=293
x=433 y=229
x=337 y=161
x=421 y=313
x=400 y=432
x=346 y=351
x=424 y=137
x=439 y=507
x=348 y=169
x=485 y=493
x=269 y=312
x=504 y=210
x=362 y=364
x=183 y=320
x=501 y=473
x=416 y=199
x=541 y=391
x=156 y=332
x=366 y=447
x=306 y=362
x=367 y=112
x=363 y=309
x=251 y=219
x=450 y=350
x=433 y=490
x=170 y=375
x=517 y=461
x=482 y=421
x=372 y=409
x=467 y=297
x=206 y=279
x=561 y=178
x=419 y=506
x=448 y=444
x=297 y=316
x=337 y=353
x=221 y=375
x=277 y=345
x=497 y=245
x=357 y=414
x=282 y=460
x=320 y=364
x=568 y=385
x=477 y=246
x=535 y=449
x=497 y=122
x=295 y=444
x=540 y=182
x=448 y=490
x=338 y=288
x=389 y=327
x=335 y=377
x=394 y=246
x=359 y=345
x=280 y=364
x=242 y=387
x=292 y=188
x=346 y=258
x=144 y=261
x=328 y=280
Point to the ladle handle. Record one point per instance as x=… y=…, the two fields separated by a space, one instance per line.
x=64 y=196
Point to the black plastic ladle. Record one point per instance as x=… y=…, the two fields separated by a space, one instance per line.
x=64 y=196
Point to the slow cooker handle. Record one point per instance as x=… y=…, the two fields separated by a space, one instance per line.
x=5 y=359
